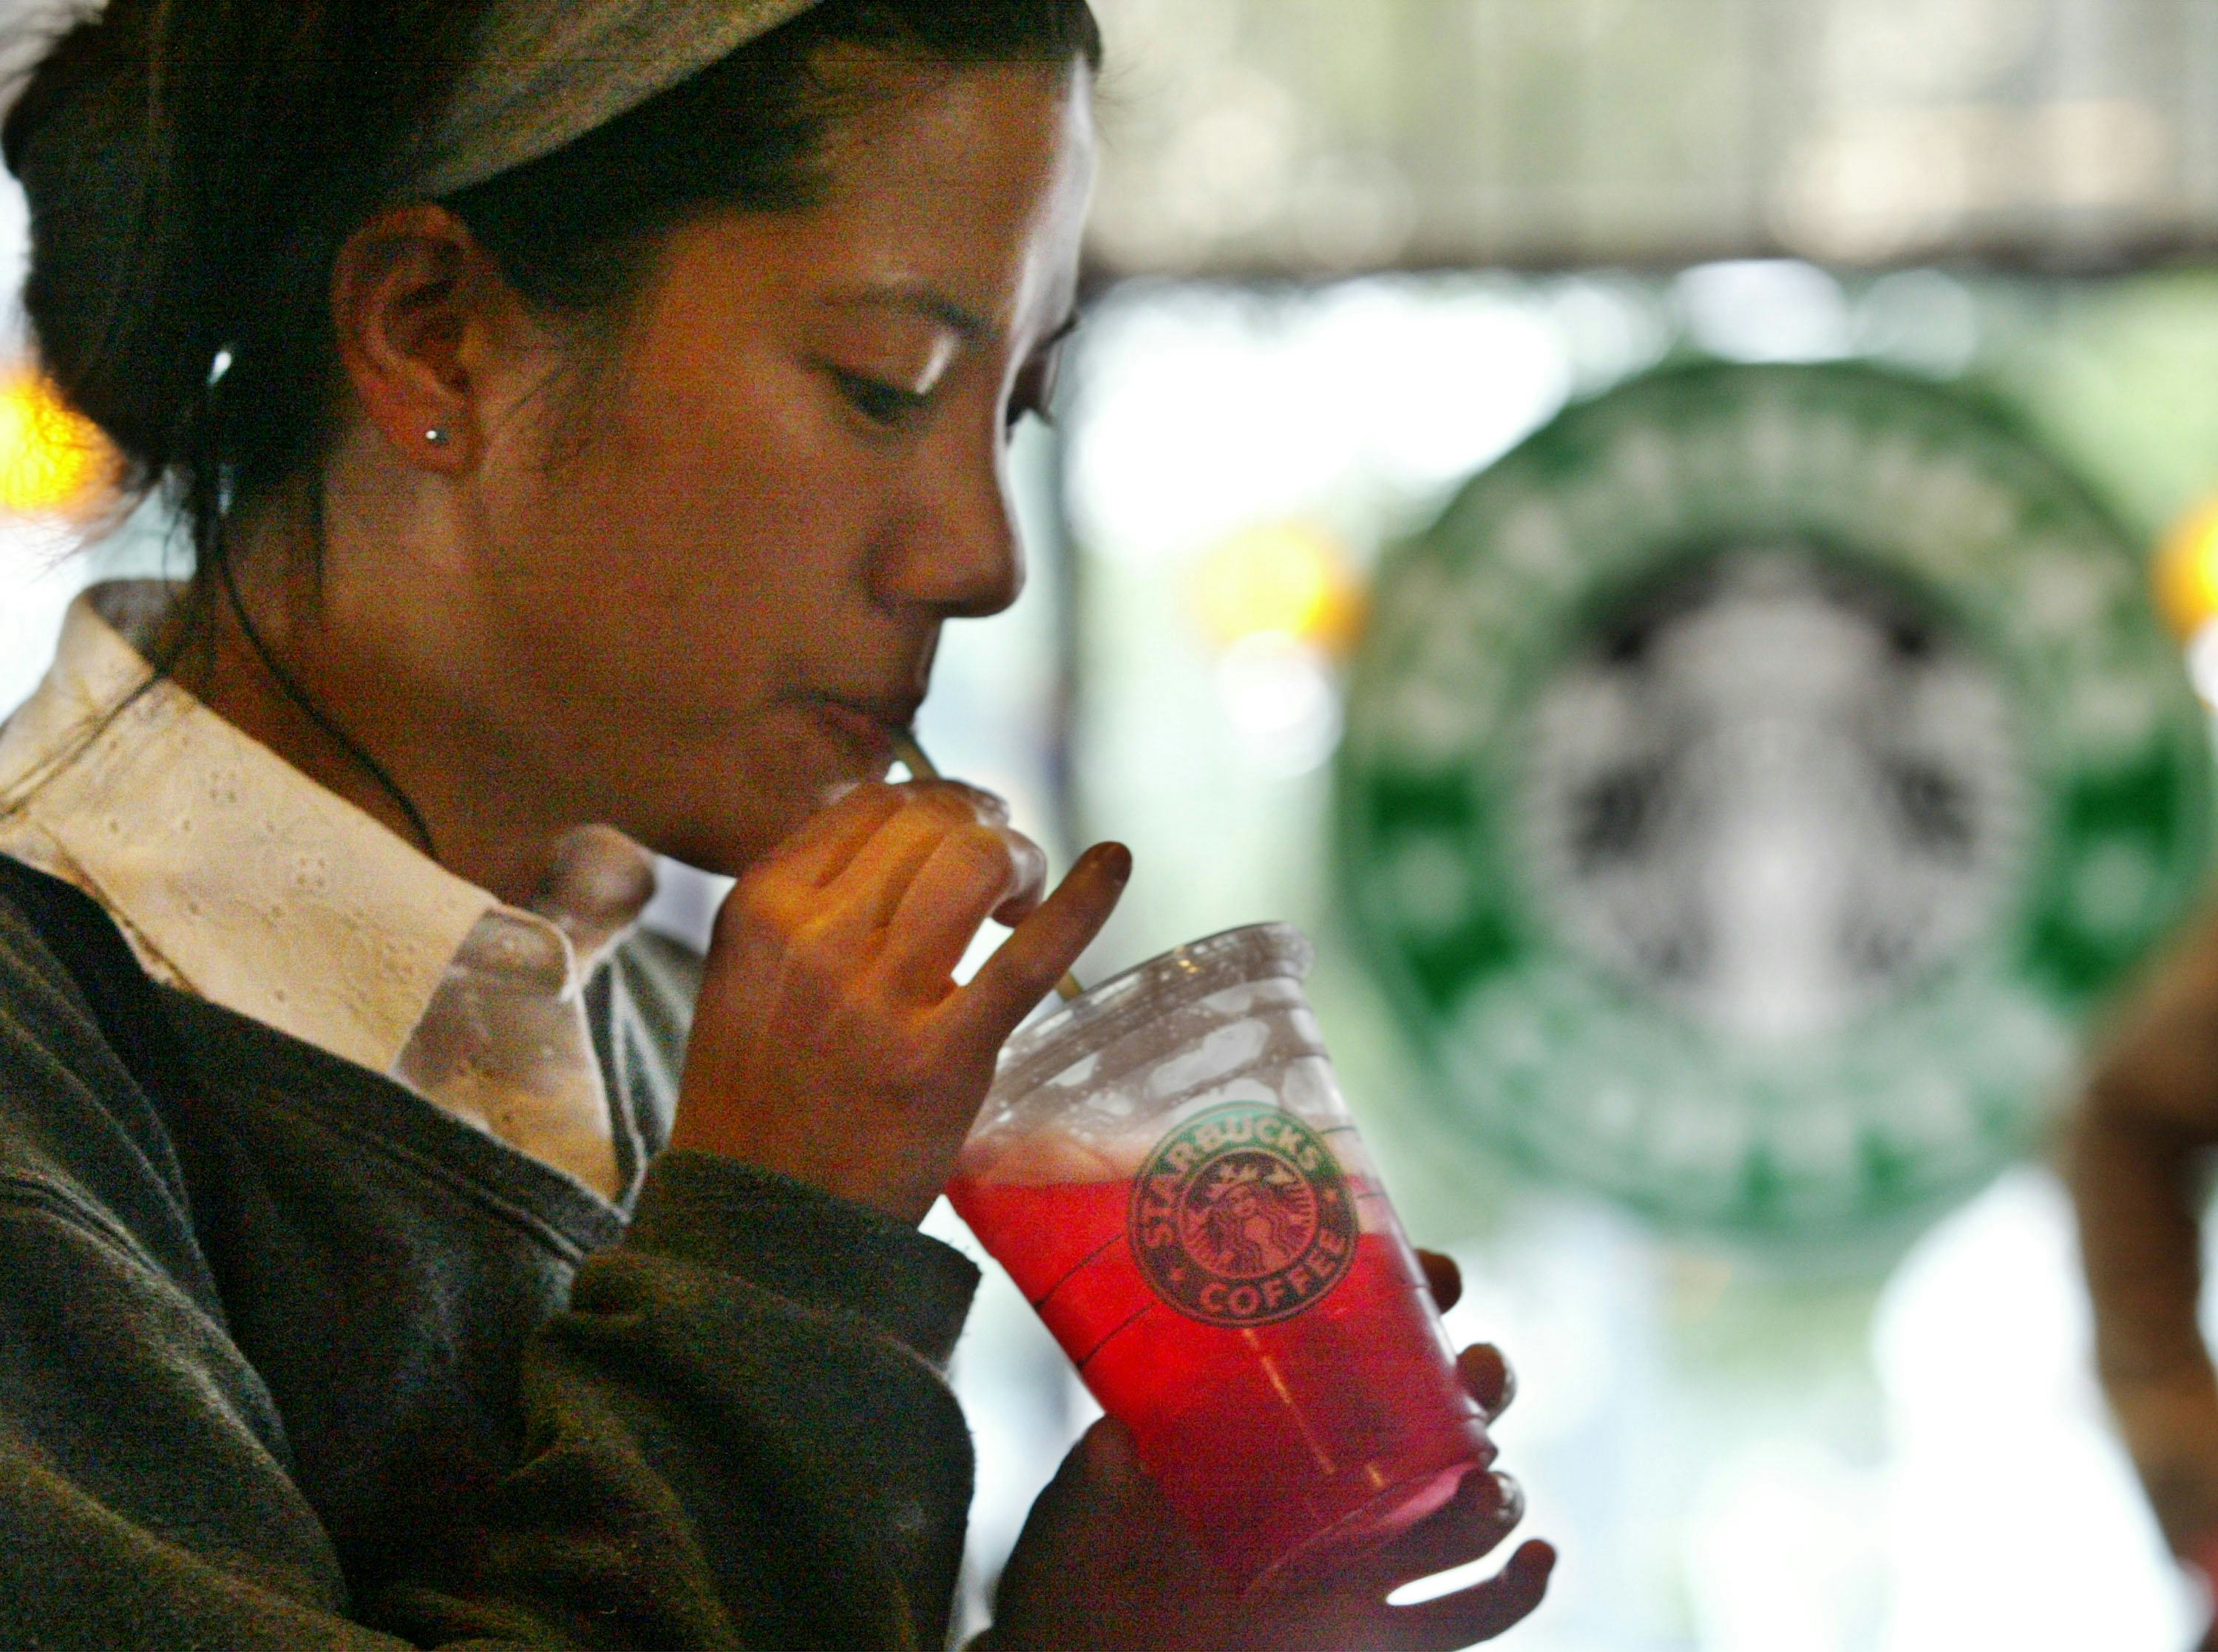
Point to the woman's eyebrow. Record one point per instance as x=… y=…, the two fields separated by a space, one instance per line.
x=921 y=299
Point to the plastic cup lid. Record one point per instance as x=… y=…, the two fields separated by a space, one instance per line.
x=1108 y=1011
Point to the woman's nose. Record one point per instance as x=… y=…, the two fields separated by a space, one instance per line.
x=958 y=551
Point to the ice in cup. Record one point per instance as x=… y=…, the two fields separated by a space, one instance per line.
x=1168 y=1170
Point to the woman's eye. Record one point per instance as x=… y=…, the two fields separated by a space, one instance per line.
x=881 y=403
x=1035 y=390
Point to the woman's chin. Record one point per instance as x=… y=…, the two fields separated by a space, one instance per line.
x=727 y=819
x=728 y=845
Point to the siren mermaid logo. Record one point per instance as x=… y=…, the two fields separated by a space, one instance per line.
x=1754 y=782
x=1242 y=1216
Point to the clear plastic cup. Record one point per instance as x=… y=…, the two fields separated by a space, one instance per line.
x=1168 y=1170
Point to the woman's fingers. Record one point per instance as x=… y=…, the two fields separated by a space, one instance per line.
x=867 y=891
x=973 y=872
x=1041 y=949
x=1479 y=1613
x=827 y=1047
x=1474 y=1522
x=1487 y=1375
x=818 y=849
x=1442 y=1278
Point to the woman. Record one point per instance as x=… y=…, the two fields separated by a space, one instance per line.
x=587 y=415
x=2137 y=1167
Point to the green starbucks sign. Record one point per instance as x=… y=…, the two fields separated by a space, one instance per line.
x=1753 y=782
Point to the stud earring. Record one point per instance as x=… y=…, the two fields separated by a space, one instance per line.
x=438 y=435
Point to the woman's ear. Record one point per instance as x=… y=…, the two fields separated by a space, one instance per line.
x=412 y=301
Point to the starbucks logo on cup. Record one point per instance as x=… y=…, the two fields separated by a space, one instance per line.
x=1242 y=1216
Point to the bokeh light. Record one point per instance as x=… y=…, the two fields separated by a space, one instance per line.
x=2186 y=572
x=52 y=461
x=1292 y=579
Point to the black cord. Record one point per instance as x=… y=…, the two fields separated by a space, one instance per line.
x=299 y=696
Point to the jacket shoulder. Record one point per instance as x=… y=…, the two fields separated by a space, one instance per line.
x=79 y=1133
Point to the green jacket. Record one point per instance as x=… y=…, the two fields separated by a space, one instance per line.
x=289 y=1359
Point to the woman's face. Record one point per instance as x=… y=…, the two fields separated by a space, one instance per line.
x=691 y=595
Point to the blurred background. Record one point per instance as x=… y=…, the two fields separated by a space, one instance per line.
x=1346 y=258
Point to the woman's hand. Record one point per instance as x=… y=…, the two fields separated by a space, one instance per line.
x=1104 y=1564
x=2200 y=1560
x=831 y=1044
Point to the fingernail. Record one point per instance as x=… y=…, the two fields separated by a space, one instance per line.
x=1116 y=861
x=978 y=797
x=1510 y=1500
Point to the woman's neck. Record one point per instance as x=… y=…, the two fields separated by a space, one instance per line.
x=259 y=650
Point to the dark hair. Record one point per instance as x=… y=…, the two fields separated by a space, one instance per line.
x=194 y=168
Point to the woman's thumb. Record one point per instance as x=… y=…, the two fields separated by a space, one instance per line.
x=1109 y=1461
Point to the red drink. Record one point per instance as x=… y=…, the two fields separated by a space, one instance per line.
x=1337 y=1427
x=1168 y=1171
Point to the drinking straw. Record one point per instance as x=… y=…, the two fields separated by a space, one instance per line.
x=912 y=757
